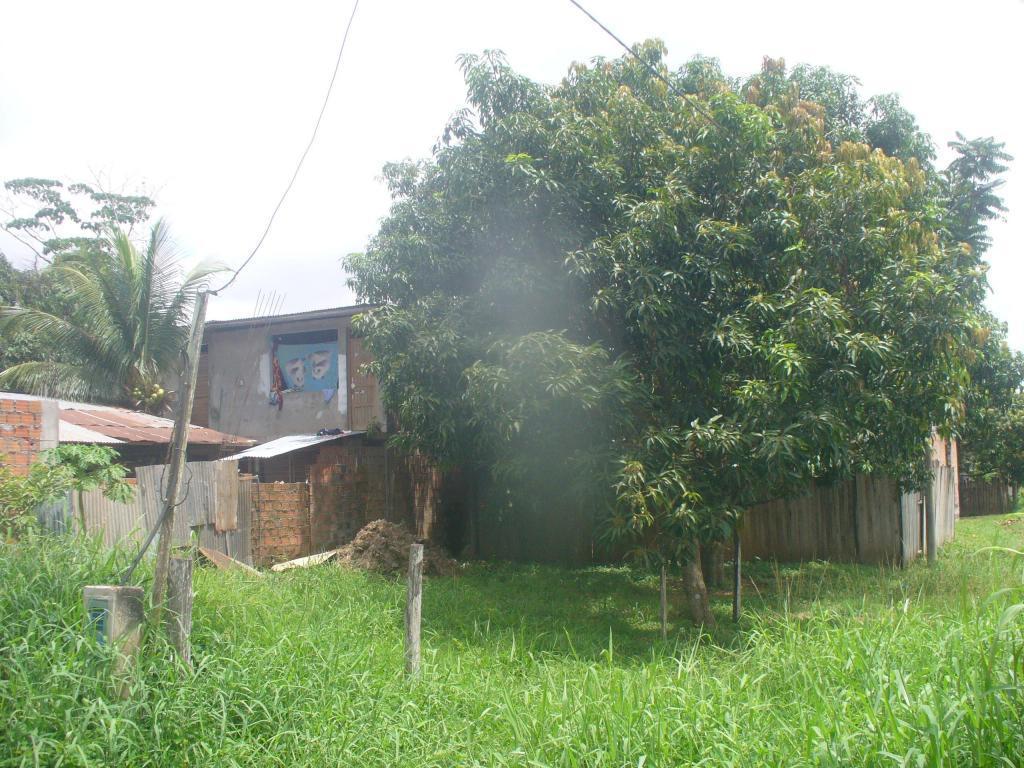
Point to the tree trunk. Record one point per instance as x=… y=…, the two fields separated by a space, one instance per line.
x=712 y=563
x=697 y=593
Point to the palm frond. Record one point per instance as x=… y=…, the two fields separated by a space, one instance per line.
x=69 y=381
x=129 y=323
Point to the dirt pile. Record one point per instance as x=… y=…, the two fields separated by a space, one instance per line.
x=383 y=547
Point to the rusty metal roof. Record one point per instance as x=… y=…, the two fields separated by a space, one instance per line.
x=110 y=425
x=129 y=426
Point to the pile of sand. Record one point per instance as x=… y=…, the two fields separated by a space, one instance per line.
x=383 y=547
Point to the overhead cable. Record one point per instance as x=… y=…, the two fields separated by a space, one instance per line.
x=302 y=159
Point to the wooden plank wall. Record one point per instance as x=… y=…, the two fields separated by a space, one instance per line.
x=912 y=541
x=865 y=520
x=979 y=498
x=944 y=489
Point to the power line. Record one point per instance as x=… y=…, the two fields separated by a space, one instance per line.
x=630 y=49
x=302 y=159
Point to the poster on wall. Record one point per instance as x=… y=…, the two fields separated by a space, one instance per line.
x=308 y=366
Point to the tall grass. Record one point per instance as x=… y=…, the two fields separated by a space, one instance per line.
x=832 y=665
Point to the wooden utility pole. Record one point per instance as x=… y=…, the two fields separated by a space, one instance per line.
x=413 y=608
x=179 y=444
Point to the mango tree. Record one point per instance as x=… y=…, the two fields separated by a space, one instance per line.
x=670 y=304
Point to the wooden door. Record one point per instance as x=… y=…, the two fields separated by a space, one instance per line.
x=363 y=400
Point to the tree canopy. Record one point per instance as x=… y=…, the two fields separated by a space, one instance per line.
x=55 y=222
x=682 y=305
x=63 y=219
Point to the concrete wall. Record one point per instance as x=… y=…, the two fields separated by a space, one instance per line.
x=239 y=375
x=27 y=427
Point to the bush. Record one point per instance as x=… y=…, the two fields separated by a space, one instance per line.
x=58 y=471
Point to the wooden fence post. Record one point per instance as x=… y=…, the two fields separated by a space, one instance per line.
x=413 y=608
x=179 y=606
x=737 y=573
x=664 y=603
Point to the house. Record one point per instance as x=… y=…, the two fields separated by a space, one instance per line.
x=294 y=374
x=322 y=468
x=30 y=425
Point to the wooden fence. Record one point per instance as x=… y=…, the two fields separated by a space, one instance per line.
x=865 y=520
x=979 y=498
x=216 y=506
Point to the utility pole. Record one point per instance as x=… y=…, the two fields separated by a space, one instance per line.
x=179 y=443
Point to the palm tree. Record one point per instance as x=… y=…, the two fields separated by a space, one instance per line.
x=123 y=341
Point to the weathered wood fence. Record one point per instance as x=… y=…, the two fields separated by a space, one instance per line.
x=217 y=508
x=865 y=520
x=980 y=498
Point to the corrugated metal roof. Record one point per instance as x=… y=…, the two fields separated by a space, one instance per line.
x=72 y=433
x=287 y=444
x=137 y=427
x=315 y=314
x=110 y=425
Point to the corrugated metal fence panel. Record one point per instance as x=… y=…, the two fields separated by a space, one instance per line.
x=197 y=497
x=236 y=543
x=119 y=524
x=240 y=539
x=55 y=516
x=152 y=486
x=128 y=524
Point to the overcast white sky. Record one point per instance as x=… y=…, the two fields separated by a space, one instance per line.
x=207 y=105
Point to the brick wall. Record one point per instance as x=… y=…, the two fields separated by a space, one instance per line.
x=27 y=426
x=351 y=484
x=280 y=528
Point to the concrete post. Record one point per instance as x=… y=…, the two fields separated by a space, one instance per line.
x=114 y=615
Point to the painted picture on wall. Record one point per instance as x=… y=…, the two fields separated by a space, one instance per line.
x=308 y=367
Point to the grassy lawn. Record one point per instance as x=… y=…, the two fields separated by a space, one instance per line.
x=531 y=666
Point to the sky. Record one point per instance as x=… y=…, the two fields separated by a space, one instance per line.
x=206 y=106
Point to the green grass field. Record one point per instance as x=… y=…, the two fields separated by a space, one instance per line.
x=530 y=666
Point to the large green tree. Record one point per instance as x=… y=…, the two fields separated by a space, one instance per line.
x=682 y=305
x=51 y=218
x=125 y=329
x=992 y=436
